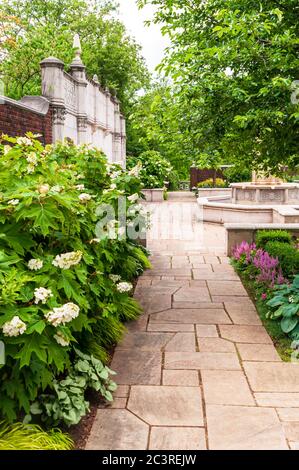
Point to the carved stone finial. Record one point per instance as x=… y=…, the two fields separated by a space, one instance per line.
x=96 y=79
x=77 y=46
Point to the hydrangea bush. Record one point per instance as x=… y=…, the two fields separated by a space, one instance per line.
x=155 y=171
x=64 y=290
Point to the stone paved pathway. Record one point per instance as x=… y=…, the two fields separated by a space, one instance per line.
x=197 y=370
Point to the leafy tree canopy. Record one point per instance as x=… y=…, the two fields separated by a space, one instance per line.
x=233 y=63
x=31 y=30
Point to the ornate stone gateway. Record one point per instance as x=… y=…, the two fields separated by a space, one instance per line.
x=82 y=110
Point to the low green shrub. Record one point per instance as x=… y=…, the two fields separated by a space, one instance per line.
x=265 y=236
x=288 y=256
x=237 y=174
x=20 y=436
x=210 y=183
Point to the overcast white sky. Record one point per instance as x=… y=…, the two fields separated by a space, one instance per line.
x=150 y=38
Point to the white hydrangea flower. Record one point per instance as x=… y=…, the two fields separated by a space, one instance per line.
x=30 y=169
x=136 y=170
x=14 y=327
x=115 y=175
x=113 y=186
x=24 y=141
x=124 y=287
x=63 y=315
x=80 y=187
x=84 y=197
x=13 y=202
x=32 y=158
x=61 y=339
x=134 y=197
x=35 y=264
x=42 y=295
x=43 y=188
x=66 y=260
x=114 y=278
x=80 y=177
x=95 y=240
x=6 y=149
x=57 y=189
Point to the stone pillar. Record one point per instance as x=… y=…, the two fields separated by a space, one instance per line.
x=53 y=90
x=123 y=139
x=116 y=132
x=77 y=71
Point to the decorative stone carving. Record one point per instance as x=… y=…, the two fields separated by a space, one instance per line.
x=271 y=195
x=70 y=93
x=59 y=115
x=244 y=195
x=82 y=123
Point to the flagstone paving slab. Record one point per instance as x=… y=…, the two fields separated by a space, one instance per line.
x=170 y=327
x=181 y=377
x=206 y=331
x=167 y=406
x=182 y=342
x=191 y=294
x=232 y=299
x=209 y=316
x=245 y=334
x=272 y=376
x=201 y=361
x=226 y=387
x=145 y=341
x=244 y=428
x=212 y=276
x=162 y=438
x=117 y=430
x=277 y=399
x=235 y=288
x=288 y=414
x=195 y=305
x=215 y=345
x=141 y=368
x=291 y=431
x=242 y=314
x=258 y=352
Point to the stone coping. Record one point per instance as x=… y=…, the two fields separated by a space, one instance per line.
x=264 y=186
x=42 y=111
x=238 y=226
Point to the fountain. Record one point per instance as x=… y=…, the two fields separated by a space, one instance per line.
x=265 y=190
x=266 y=199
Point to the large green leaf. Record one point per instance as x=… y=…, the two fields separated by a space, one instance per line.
x=288 y=324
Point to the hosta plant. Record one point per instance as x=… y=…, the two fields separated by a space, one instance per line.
x=284 y=306
x=57 y=288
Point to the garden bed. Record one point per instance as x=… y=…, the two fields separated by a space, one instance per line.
x=269 y=270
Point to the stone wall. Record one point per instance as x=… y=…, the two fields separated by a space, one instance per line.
x=82 y=110
x=71 y=106
x=19 y=117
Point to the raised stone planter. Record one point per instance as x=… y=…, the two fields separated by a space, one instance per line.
x=238 y=232
x=154 y=195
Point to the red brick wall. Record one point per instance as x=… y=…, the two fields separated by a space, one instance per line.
x=16 y=121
